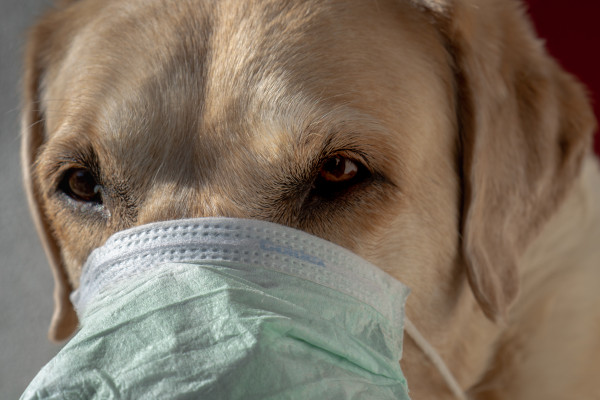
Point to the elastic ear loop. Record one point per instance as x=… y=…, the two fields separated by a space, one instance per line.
x=435 y=359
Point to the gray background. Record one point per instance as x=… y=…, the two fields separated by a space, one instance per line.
x=25 y=279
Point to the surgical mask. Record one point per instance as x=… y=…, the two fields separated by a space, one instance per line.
x=222 y=308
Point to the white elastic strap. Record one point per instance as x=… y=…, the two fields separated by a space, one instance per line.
x=435 y=358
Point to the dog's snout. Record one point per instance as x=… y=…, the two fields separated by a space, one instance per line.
x=169 y=203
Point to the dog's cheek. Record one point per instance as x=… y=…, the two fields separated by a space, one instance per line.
x=357 y=225
x=73 y=266
x=76 y=239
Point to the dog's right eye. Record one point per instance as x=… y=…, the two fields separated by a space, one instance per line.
x=80 y=184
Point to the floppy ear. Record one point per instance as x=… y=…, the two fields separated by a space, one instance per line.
x=64 y=321
x=525 y=128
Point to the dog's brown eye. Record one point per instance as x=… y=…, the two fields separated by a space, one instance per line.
x=338 y=169
x=337 y=175
x=80 y=184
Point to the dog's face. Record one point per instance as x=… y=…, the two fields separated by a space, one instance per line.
x=355 y=121
x=232 y=110
x=317 y=117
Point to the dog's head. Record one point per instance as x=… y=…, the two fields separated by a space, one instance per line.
x=433 y=138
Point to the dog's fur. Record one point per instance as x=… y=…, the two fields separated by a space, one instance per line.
x=484 y=197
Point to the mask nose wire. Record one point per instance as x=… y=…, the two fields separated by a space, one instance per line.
x=435 y=359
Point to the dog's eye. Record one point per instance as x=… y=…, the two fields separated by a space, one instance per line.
x=338 y=169
x=80 y=185
x=338 y=174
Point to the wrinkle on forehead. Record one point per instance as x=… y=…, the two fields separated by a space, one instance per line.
x=122 y=47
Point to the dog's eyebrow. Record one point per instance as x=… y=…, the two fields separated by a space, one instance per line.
x=343 y=128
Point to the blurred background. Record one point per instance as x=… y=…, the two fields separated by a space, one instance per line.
x=26 y=283
x=572 y=36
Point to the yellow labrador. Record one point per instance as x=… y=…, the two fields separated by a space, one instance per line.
x=435 y=138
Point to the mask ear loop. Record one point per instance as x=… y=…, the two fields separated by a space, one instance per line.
x=435 y=359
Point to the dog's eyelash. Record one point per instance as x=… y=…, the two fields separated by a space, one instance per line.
x=327 y=189
x=54 y=170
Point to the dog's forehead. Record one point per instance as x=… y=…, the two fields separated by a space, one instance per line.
x=209 y=77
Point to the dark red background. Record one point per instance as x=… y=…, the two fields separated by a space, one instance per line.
x=572 y=33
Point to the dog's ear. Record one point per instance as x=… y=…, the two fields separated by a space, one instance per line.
x=525 y=126
x=37 y=57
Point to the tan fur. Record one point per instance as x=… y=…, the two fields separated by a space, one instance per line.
x=202 y=108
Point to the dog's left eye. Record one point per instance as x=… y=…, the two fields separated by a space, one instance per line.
x=338 y=169
x=80 y=185
x=338 y=174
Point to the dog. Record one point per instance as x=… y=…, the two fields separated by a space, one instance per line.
x=435 y=138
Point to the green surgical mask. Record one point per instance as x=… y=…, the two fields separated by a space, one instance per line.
x=219 y=308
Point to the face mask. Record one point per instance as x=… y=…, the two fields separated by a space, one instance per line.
x=221 y=308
